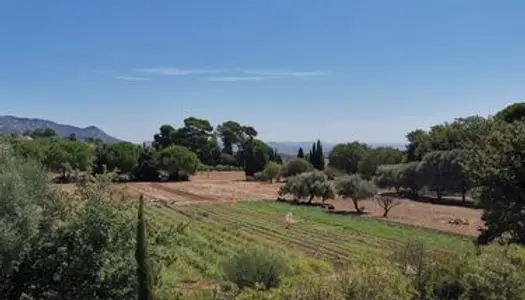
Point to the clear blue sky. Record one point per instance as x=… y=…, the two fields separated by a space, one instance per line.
x=296 y=69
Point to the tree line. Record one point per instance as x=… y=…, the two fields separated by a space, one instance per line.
x=175 y=153
x=483 y=157
x=469 y=155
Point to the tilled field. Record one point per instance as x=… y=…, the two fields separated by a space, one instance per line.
x=316 y=242
x=221 y=187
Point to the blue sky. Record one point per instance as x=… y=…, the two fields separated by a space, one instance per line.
x=295 y=69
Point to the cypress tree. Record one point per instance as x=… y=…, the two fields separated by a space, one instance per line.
x=250 y=163
x=145 y=291
x=300 y=153
x=311 y=156
x=320 y=156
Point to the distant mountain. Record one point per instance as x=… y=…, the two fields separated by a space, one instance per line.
x=12 y=124
x=291 y=148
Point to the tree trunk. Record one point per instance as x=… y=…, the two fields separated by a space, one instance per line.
x=311 y=198
x=439 y=194
x=385 y=213
x=356 y=205
x=464 y=196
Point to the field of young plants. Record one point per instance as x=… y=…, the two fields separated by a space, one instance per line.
x=314 y=241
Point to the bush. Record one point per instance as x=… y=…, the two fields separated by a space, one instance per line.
x=271 y=171
x=375 y=282
x=255 y=266
x=309 y=185
x=497 y=273
x=82 y=249
x=296 y=166
x=310 y=288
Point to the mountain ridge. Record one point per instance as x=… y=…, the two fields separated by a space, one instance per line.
x=19 y=125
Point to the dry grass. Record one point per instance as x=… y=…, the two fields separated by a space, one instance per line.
x=220 y=187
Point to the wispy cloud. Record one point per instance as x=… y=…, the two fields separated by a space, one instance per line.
x=284 y=73
x=239 y=78
x=168 y=71
x=131 y=78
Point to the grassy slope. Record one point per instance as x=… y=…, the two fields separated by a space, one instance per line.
x=315 y=243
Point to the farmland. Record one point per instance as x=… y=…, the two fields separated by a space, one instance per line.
x=220 y=187
x=317 y=242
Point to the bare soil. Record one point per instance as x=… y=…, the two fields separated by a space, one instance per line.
x=220 y=187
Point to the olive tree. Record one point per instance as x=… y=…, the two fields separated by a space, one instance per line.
x=309 y=185
x=388 y=176
x=355 y=188
x=271 y=171
x=296 y=166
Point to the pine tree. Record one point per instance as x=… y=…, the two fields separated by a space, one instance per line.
x=300 y=153
x=145 y=291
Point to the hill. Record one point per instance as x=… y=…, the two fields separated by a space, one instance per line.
x=12 y=124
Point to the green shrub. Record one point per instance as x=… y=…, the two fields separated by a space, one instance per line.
x=255 y=266
x=310 y=288
x=375 y=282
x=271 y=171
x=497 y=273
x=296 y=166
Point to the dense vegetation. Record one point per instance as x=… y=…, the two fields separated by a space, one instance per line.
x=175 y=154
x=83 y=246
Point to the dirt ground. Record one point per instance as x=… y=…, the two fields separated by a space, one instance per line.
x=231 y=187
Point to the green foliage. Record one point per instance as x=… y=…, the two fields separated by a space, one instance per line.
x=347 y=156
x=389 y=176
x=27 y=206
x=196 y=135
x=146 y=169
x=375 y=281
x=409 y=177
x=256 y=155
x=64 y=156
x=418 y=145
x=332 y=173
x=309 y=185
x=497 y=273
x=271 y=171
x=355 y=188
x=176 y=160
x=296 y=166
x=56 y=248
x=41 y=133
x=497 y=169
x=32 y=149
x=375 y=157
x=310 y=288
x=121 y=156
x=511 y=113
x=253 y=267
x=232 y=134
x=316 y=156
x=145 y=290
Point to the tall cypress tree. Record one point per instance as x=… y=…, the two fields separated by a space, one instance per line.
x=312 y=158
x=145 y=291
x=320 y=156
x=300 y=153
